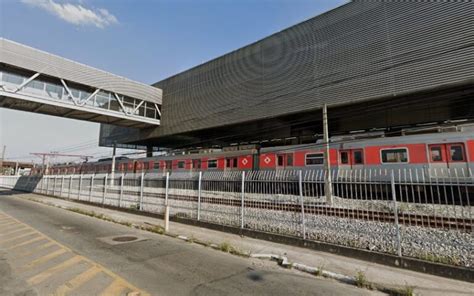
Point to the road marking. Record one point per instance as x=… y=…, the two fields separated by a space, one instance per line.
x=115 y=288
x=43 y=259
x=25 y=243
x=14 y=230
x=41 y=277
x=29 y=252
x=17 y=237
x=2 y=225
x=78 y=281
x=119 y=284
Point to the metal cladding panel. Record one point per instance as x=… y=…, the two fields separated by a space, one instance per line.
x=360 y=51
x=28 y=58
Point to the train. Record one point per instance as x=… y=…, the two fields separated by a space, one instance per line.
x=448 y=149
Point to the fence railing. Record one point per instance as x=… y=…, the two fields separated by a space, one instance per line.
x=408 y=212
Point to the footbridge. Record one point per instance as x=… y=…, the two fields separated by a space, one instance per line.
x=36 y=81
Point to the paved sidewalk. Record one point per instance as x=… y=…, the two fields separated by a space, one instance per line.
x=386 y=276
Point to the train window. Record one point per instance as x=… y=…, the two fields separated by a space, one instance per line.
x=394 y=155
x=228 y=162
x=289 y=159
x=181 y=164
x=212 y=163
x=146 y=165
x=281 y=160
x=169 y=164
x=358 y=157
x=315 y=159
x=436 y=153
x=344 y=157
x=156 y=165
x=456 y=152
x=234 y=162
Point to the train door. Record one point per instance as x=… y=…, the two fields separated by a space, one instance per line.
x=448 y=160
x=168 y=165
x=351 y=159
x=196 y=164
x=231 y=163
x=284 y=160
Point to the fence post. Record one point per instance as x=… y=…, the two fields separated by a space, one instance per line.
x=70 y=187
x=105 y=188
x=80 y=187
x=54 y=185
x=395 y=211
x=199 y=196
x=47 y=184
x=121 y=190
x=142 y=176
x=242 y=195
x=300 y=185
x=92 y=187
x=62 y=186
x=167 y=208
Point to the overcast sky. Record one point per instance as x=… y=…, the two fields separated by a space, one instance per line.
x=144 y=40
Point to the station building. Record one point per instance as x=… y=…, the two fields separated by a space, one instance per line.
x=378 y=65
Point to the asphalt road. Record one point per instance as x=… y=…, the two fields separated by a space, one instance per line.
x=46 y=250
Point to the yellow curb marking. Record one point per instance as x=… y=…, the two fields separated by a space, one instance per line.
x=26 y=243
x=115 y=288
x=14 y=238
x=42 y=276
x=78 y=281
x=22 y=228
x=30 y=252
x=119 y=284
x=42 y=259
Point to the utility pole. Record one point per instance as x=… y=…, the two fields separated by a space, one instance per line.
x=327 y=164
x=112 y=173
x=3 y=157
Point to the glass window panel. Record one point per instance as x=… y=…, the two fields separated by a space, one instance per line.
x=315 y=159
x=344 y=157
x=358 y=157
x=456 y=152
x=289 y=159
x=212 y=163
x=436 y=154
x=394 y=156
x=280 y=160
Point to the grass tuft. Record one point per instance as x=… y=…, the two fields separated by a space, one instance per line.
x=361 y=280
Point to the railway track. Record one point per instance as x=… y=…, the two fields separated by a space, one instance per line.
x=408 y=219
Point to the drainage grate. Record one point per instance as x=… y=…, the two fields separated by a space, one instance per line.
x=125 y=238
x=122 y=239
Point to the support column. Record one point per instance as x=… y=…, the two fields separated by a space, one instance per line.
x=112 y=170
x=327 y=160
x=149 y=151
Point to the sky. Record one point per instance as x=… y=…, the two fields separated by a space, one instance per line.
x=144 y=40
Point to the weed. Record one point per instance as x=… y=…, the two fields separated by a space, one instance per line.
x=407 y=291
x=439 y=258
x=226 y=247
x=319 y=271
x=361 y=280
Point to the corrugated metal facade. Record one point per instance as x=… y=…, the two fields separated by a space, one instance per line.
x=28 y=58
x=360 y=51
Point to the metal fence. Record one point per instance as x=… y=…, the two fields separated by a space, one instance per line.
x=419 y=213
